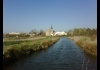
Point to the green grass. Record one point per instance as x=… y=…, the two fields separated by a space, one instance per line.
x=16 y=49
x=6 y=43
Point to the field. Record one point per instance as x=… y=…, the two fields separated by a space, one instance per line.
x=22 y=38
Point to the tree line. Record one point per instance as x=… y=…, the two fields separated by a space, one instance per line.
x=82 y=32
x=33 y=32
x=72 y=32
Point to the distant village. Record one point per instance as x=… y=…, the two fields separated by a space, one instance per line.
x=51 y=32
x=47 y=32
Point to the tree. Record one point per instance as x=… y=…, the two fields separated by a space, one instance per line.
x=81 y=31
x=70 y=33
x=88 y=31
x=33 y=31
x=76 y=31
x=41 y=32
x=84 y=31
x=94 y=31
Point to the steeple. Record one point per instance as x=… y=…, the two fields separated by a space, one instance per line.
x=51 y=27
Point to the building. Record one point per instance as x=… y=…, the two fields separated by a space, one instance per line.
x=60 y=33
x=49 y=31
x=14 y=33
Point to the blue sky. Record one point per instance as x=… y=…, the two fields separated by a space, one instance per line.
x=63 y=15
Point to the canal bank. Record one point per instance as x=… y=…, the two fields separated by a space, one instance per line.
x=14 y=52
x=63 y=55
x=87 y=43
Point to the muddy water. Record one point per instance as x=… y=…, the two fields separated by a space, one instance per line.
x=63 y=55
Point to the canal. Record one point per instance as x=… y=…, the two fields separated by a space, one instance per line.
x=63 y=55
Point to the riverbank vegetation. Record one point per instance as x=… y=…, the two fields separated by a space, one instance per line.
x=86 y=38
x=13 y=50
x=87 y=43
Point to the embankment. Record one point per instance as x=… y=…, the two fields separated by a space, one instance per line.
x=14 y=50
x=88 y=44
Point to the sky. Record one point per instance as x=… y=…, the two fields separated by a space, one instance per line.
x=63 y=15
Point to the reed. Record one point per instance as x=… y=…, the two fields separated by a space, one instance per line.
x=88 y=44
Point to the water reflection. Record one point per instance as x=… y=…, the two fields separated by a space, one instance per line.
x=91 y=57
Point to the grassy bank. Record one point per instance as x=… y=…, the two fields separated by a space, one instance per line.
x=22 y=38
x=13 y=50
x=88 y=44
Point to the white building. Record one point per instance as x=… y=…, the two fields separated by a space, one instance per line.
x=59 y=33
x=14 y=33
x=51 y=32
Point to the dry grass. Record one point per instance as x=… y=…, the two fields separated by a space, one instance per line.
x=93 y=38
x=88 y=44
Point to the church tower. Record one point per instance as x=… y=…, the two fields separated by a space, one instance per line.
x=51 y=27
x=50 y=31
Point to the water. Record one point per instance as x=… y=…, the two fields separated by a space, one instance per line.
x=63 y=55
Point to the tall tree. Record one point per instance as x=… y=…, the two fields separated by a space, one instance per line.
x=41 y=32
